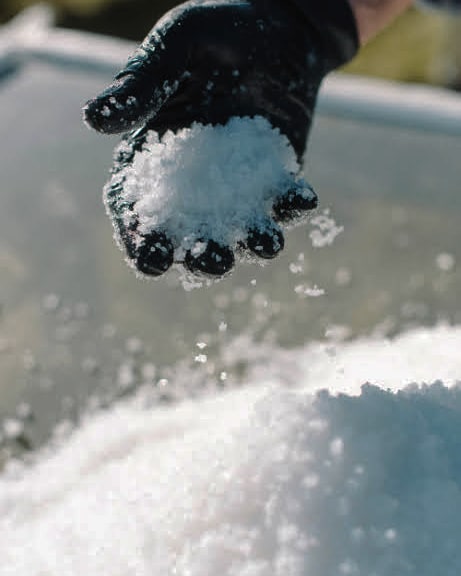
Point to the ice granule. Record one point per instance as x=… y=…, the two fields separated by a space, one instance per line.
x=12 y=427
x=324 y=230
x=209 y=181
x=445 y=262
x=304 y=290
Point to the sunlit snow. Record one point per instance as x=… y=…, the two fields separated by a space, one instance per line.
x=273 y=478
x=209 y=181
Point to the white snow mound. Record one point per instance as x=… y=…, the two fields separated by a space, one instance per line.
x=259 y=481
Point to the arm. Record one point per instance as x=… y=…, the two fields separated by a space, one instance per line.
x=372 y=16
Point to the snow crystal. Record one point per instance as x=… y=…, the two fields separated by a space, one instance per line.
x=12 y=428
x=343 y=276
x=305 y=290
x=324 y=230
x=209 y=181
x=445 y=262
x=263 y=480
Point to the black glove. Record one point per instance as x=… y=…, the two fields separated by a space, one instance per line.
x=184 y=72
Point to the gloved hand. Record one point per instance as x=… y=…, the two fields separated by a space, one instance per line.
x=207 y=61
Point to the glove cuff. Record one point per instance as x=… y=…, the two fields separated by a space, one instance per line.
x=336 y=26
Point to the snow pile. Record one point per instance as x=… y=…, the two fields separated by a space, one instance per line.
x=265 y=480
x=209 y=181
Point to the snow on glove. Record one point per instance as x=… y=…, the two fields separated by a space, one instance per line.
x=205 y=63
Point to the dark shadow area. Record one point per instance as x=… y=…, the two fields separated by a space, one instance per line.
x=128 y=19
x=7 y=70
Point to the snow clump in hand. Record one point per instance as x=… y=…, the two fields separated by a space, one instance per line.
x=209 y=183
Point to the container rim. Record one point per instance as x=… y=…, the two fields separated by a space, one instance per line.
x=32 y=36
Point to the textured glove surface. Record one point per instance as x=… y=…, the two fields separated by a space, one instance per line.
x=207 y=62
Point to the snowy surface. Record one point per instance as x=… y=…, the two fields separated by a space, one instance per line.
x=273 y=478
x=209 y=181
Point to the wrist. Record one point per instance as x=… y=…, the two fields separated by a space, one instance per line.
x=335 y=24
x=372 y=16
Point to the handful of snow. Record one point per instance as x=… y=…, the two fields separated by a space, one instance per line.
x=208 y=182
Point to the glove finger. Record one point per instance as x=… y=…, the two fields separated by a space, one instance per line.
x=152 y=75
x=154 y=255
x=295 y=202
x=151 y=254
x=128 y=102
x=209 y=258
x=266 y=240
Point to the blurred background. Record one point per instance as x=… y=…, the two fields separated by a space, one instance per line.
x=421 y=46
x=78 y=330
